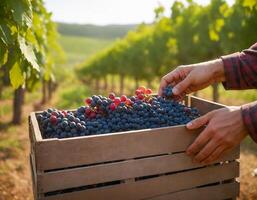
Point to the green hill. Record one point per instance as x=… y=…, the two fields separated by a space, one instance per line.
x=95 y=31
x=77 y=49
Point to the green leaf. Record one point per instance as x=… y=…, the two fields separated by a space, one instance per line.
x=3 y=54
x=28 y=53
x=16 y=76
x=5 y=33
x=219 y=24
x=249 y=3
x=21 y=11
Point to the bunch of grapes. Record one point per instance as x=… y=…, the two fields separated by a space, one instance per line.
x=111 y=114
x=167 y=91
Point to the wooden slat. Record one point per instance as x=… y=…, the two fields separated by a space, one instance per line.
x=203 y=105
x=216 y=192
x=156 y=186
x=37 y=133
x=34 y=179
x=54 y=154
x=69 y=178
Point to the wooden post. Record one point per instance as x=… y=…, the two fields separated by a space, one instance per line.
x=44 y=92
x=105 y=83
x=112 y=83
x=122 y=77
x=49 y=84
x=215 y=94
x=97 y=84
x=18 y=101
x=136 y=82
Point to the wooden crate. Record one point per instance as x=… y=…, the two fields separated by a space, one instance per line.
x=142 y=164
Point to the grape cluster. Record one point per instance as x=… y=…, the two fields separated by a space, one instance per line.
x=113 y=114
x=167 y=91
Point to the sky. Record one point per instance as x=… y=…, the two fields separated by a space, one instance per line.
x=103 y=12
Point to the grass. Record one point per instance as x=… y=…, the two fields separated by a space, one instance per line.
x=230 y=97
x=78 y=49
x=71 y=93
x=6 y=93
x=5 y=109
x=72 y=96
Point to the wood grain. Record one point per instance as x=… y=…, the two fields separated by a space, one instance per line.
x=203 y=105
x=54 y=154
x=63 y=179
x=156 y=186
x=216 y=192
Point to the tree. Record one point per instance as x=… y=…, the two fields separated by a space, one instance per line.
x=27 y=46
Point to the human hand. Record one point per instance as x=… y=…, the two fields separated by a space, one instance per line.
x=225 y=130
x=190 y=78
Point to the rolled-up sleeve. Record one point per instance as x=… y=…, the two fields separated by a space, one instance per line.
x=241 y=73
x=249 y=114
x=241 y=69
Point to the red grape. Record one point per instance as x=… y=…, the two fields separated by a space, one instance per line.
x=112 y=106
x=123 y=98
x=112 y=95
x=128 y=102
x=117 y=101
x=87 y=111
x=142 y=88
x=88 y=101
x=92 y=114
x=138 y=92
x=53 y=119
x=148 y=91
x=141 y=96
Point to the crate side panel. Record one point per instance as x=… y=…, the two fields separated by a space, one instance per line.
x=156 y=186
x=216 y=192
x=69 y=178
x=36 y=131
x=54 y=154
x=204 y=106
x=34 y=179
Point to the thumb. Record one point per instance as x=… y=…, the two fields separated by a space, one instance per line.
x=181 y=86
x=199 y=122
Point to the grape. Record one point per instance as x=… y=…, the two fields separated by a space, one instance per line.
x=123 y=98
x=167 y=91
x=111 y=114
x=111 y=96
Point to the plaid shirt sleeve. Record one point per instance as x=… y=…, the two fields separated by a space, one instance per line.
x=241 y=73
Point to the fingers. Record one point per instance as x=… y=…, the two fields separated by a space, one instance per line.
x=199 y=122
x=171 y=78
x=167 y=79
x=199 y=143
x=163 y=84
x=182 y=86
x=216 y=154
x=206 y=151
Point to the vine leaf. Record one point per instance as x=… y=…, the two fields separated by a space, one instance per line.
x=16 y=76
x=22 y=12
x=5 y=33
x=28 y=53
x=3 y=54
x=249 y=3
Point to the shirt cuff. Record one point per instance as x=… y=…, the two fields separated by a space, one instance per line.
x=249 y=114
x=230 y=69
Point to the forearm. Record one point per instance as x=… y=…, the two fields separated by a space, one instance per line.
x=240 y=69
x=249 y=114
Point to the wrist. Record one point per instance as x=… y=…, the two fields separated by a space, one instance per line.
x=218 y=70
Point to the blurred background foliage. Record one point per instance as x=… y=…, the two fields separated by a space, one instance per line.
x=193 y=33
x=73 y=61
